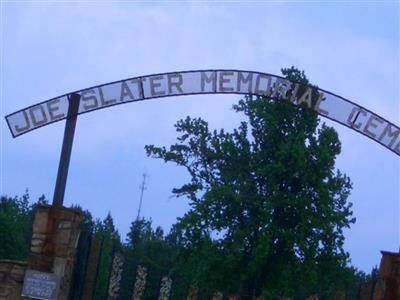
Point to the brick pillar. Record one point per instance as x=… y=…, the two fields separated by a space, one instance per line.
x=11 y=279
x=55 y=235
x=388 y=285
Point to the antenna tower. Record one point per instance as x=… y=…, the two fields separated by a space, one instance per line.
x=142 y=188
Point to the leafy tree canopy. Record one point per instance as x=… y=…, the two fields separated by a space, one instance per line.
x=110 y=241
x=16 y=217
x=268 y=206
x=146 y=247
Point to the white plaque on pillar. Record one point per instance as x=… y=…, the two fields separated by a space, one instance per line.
x=40 y=285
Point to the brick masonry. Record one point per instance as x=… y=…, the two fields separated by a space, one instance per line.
x=55 y=233
x=12 y=274
x=388 y=285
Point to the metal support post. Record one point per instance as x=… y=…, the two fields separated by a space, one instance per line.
x=62 y=174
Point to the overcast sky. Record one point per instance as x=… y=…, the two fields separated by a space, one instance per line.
x=350 y=48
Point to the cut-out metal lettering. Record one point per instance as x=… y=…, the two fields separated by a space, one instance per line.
x=171 y=84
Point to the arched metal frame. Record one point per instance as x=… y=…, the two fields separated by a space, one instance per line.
x=218 y=81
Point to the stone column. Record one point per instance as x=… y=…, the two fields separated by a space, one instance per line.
x=165 y=290
x=55 y=235
x=140 y=284
x=116 y=275
x=388 y=284
x=11 y=279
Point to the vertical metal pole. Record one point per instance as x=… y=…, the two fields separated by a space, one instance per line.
x=63 y=166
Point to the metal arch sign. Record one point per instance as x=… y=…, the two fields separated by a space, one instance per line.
x=140 y=88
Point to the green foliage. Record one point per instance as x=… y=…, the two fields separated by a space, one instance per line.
x=147 y=247
x=268 y=207
x=14 y=221
x=16 y=217
x=268 y=210
x=110 y=241
x=87 y=222
x=82 y=254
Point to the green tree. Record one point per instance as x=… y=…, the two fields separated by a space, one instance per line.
x=15 y=219
x=268 y=207
x=140 y=231
x=110 y=242
x=149 y=248
x=82 y=253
